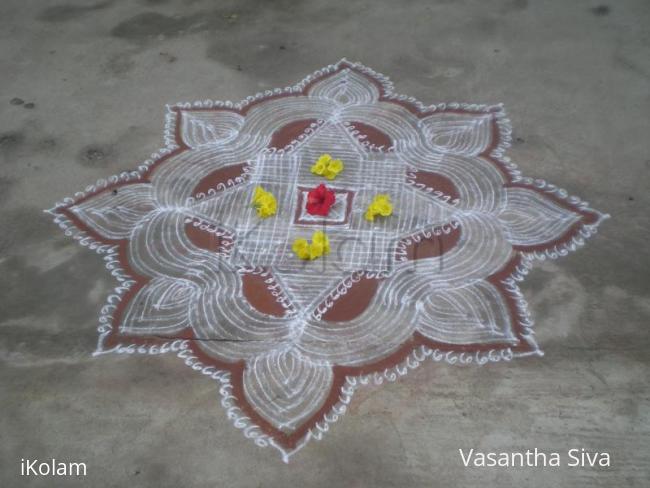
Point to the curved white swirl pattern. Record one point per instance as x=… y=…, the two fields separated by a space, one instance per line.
x=160 y=307
x=529 y=219
x=200 y=128
x=455 y=133
x=286 y=387
x=114 y=214
x=472 y=314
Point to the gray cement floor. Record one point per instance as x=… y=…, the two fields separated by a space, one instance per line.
x=94 y=78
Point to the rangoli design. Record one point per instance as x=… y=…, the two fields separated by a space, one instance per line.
x=202 y=276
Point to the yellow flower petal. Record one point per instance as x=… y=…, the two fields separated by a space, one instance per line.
x=319 y=168
x=327 y=167
x=264 y=202
x=324 y=159
x=259 y=193
x=301 y=248
x=380 y=205
x=320 y=238
x=267 y=199
x=264 y=211
x=335 y=166
x=300 y=243
x=384 y=208
x=319 y=246
x=316 y=250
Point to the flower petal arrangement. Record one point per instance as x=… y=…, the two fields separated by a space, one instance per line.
x=264 y=202
x=319 y=200
x=319 y=246
x=417 y=246
x=380 y=205
x=327 y=166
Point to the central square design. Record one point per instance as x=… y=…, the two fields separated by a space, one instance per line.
x=356 y=243
x=339 y=213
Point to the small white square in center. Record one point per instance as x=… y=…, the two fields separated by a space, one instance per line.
x=339 y=212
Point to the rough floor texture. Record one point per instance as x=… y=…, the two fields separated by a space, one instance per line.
x=83 y=91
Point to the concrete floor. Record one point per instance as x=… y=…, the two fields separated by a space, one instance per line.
x=574 y=77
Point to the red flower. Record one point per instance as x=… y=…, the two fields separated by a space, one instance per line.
x=319 y=200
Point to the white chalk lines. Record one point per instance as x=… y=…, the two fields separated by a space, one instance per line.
x=443 y=268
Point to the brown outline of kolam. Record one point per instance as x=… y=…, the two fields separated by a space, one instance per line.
x=114 y=339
